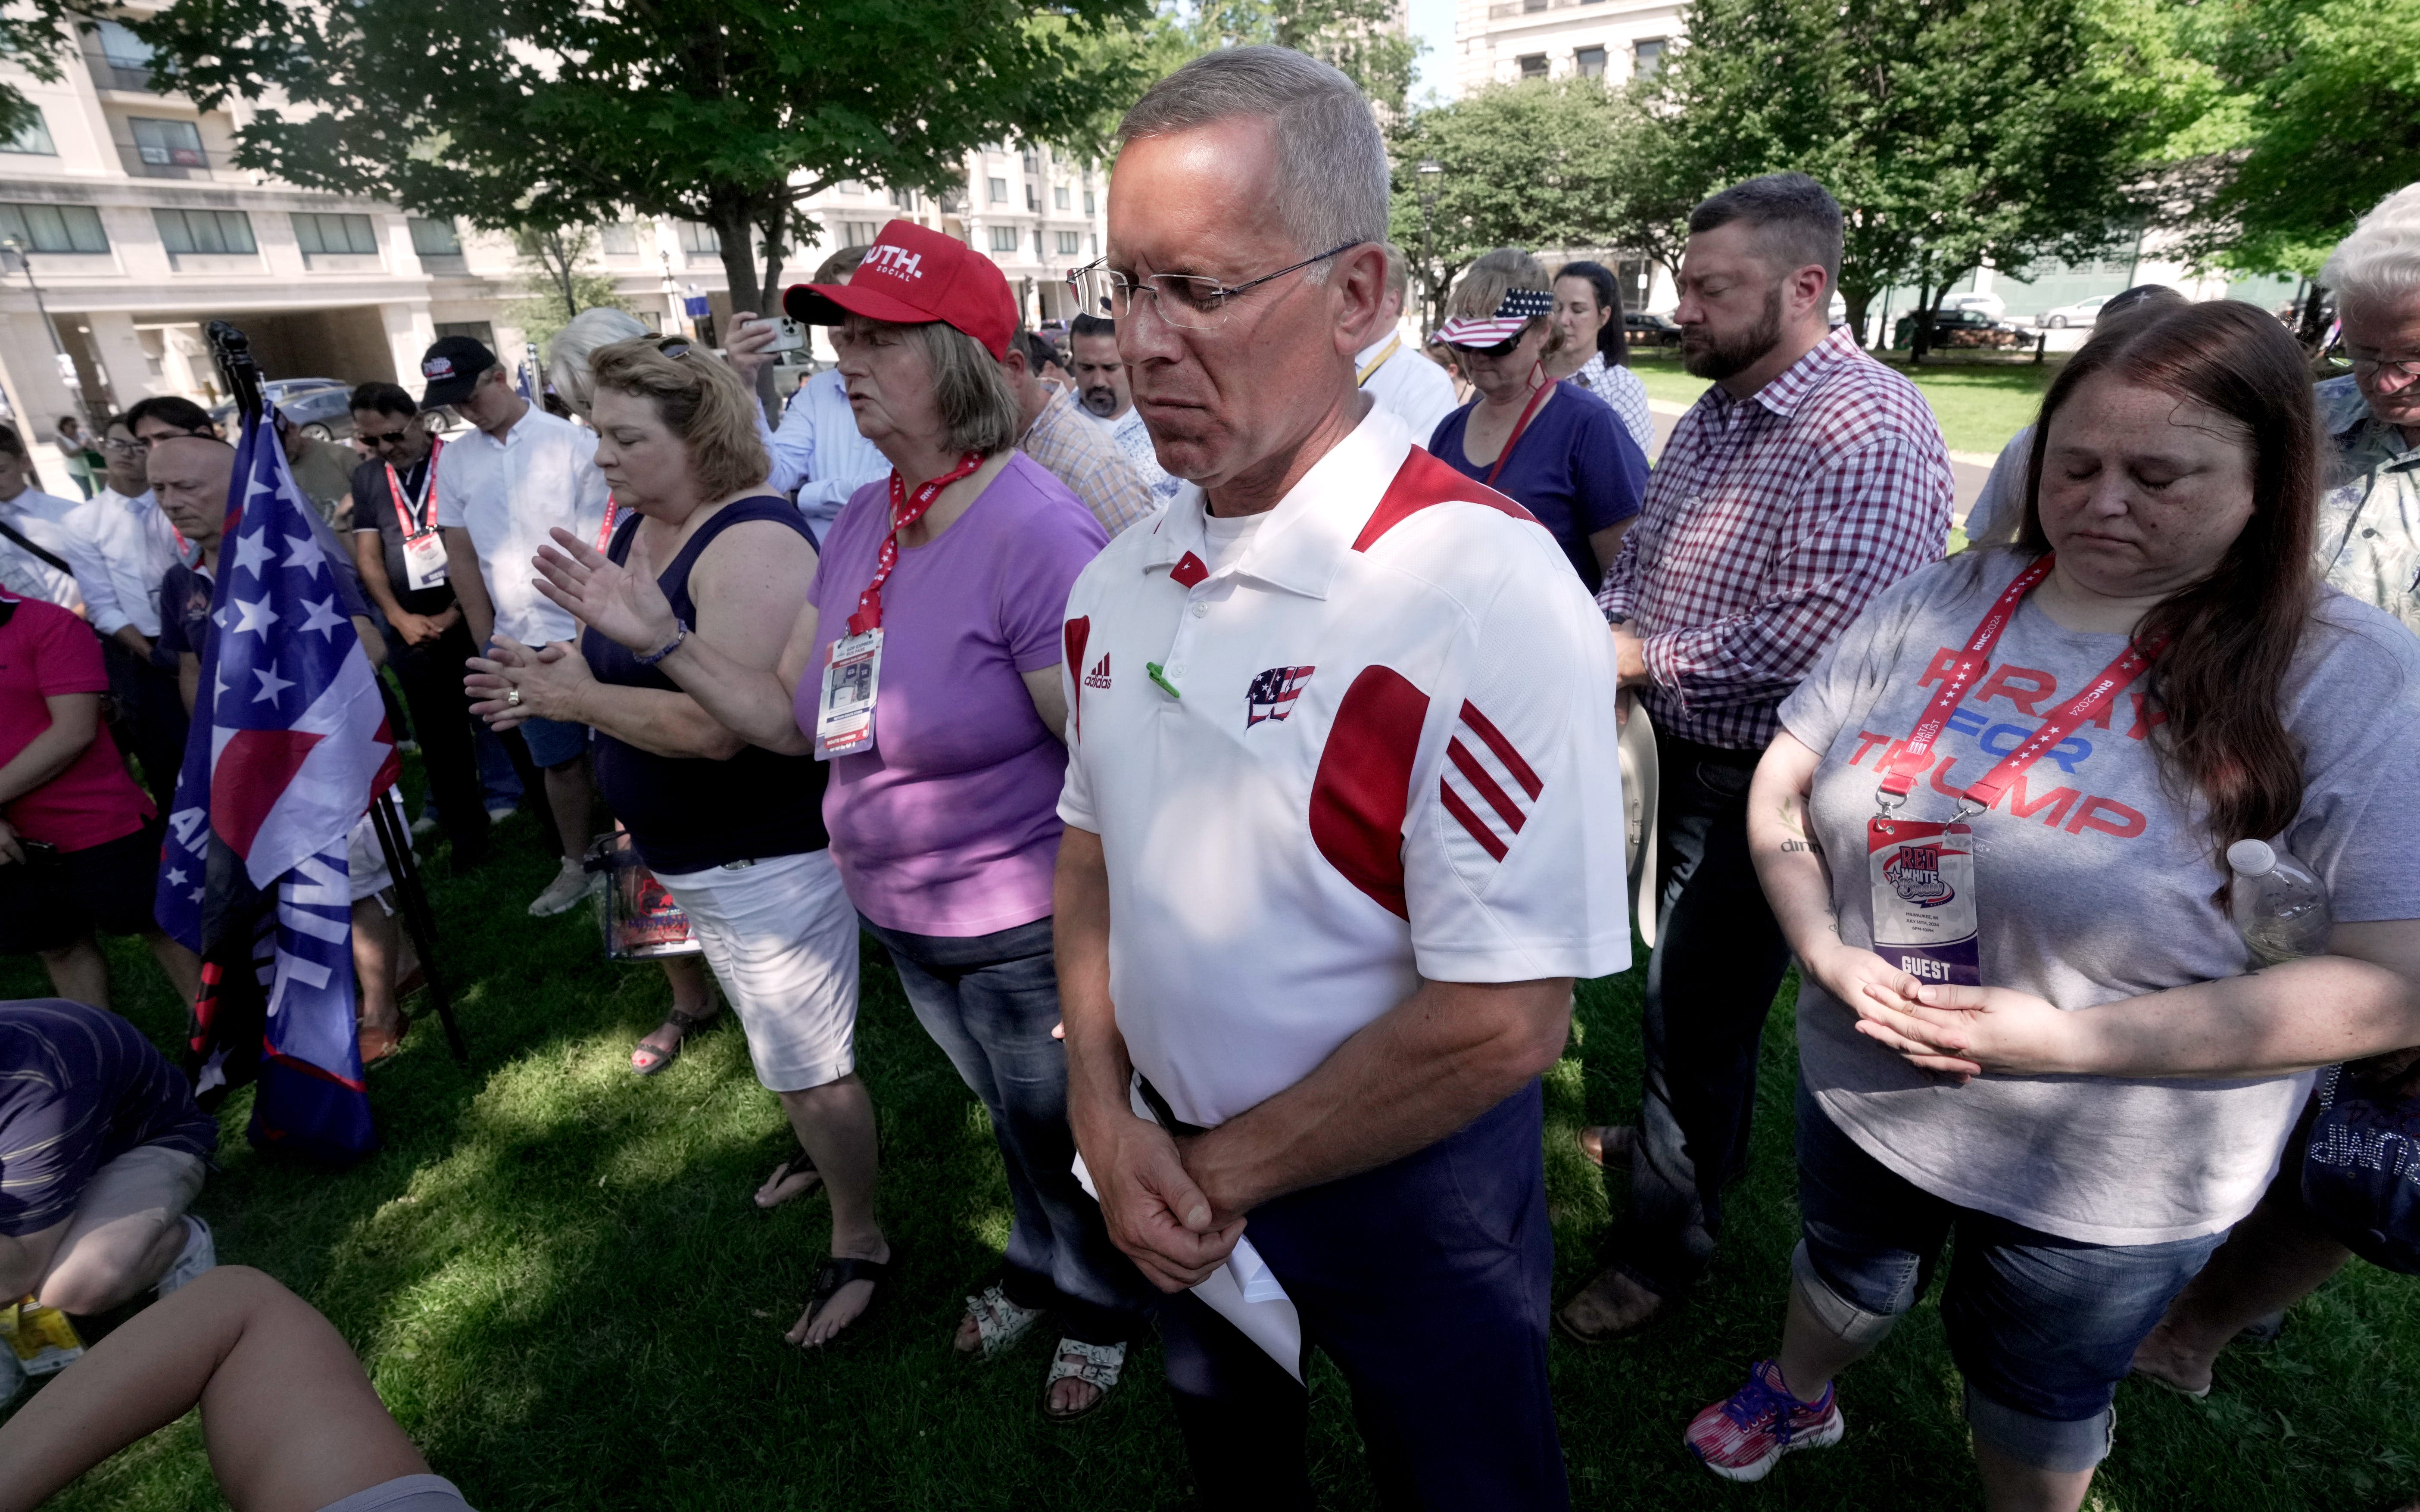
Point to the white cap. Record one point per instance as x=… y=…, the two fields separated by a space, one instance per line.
x=2253 y=858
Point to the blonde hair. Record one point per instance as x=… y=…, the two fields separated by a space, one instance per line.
x=700 y=400
x=568 y=355
x=2380 y=263
x=1493 y=275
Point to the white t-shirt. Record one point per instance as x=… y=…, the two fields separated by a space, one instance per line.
x=1392 y=758
x=1224 y=540
x=508 y=495
x=2093 y=884
x=1405 y=382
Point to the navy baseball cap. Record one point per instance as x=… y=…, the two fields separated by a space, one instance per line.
x=453 y=369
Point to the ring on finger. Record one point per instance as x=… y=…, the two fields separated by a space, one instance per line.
x=513 y=698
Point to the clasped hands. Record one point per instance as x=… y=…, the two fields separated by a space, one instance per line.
x=514 y=682
x=1957 y=1032
x=1156 y=1211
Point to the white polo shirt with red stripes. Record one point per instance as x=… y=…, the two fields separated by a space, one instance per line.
x=1379 y=747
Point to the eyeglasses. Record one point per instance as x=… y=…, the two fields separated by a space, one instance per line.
x=674 y=345
x=1186 y=300
x=125 y=448
x=2402 y=367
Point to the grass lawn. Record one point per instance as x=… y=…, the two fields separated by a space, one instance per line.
x=557 y=1280
x=1979 y=404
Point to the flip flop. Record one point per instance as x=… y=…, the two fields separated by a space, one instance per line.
x=837 y=1272
x=797 y=1164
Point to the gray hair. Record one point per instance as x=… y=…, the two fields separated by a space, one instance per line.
x=568 y=354
x=1796 y=220
x=1331 y=187
x=2380 y=263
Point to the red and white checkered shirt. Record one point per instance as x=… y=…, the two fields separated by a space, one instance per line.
x=1770 y=521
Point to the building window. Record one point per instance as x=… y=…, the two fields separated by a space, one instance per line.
x=1003 y=239
x=33 y=138
x=189 y=232
x=999 y=191
x=904 y=199
x=699 y=239
x=1533 y=65
x=129 y=56
x=1647 y=58
x=1031 y=161
x=1087 y=202
x=1032 y=200
x=168 y=144
x=1097 y=244
x=616 y=238
x=848 y=186
x=335 y=235
x=1037 y=243
x=433 y=238
x=1059 y=196
x=478 y=331
x=859 y=233
x=53 y=227
x=1070 y=244
x=1589 y=62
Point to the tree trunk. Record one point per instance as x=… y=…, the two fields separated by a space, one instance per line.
x=557 y=250
x=1920 y=339
x=754 y=289
x=2311 y=332
x=1859 y=298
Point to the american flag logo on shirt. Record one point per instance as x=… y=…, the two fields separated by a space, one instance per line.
x=1487 y=787
x=1273 y=692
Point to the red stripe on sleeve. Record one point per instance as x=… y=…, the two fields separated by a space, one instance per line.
x=1485 y=730
x=1479 y=831
x=1484 y=785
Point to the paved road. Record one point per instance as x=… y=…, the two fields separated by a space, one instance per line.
x=1969 y=470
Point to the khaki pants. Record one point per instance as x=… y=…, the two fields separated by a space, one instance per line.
x=124 y=1208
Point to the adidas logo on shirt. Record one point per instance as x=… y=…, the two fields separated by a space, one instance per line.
x=1099 y=675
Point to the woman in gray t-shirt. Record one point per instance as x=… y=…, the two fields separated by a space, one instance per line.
x=2092 y=1117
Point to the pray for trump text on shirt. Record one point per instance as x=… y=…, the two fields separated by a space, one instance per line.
x=2044 y=790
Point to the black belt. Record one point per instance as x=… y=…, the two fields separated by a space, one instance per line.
x=1160 y=1110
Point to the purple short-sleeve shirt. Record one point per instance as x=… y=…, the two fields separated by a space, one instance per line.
x=949 y=825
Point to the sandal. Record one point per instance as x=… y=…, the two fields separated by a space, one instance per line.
x=998 y=1322
x=377 y=1044
x=797 y=1164
x=645 y=1060
x=1098 y=1366
x=1606 y=1144
x=838 y=1271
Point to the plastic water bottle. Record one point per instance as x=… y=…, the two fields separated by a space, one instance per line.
x=2278 y=906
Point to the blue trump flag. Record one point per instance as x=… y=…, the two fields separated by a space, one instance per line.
x=289 y=746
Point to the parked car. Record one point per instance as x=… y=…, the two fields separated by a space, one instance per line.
x=2082 y=313
x=1990 y=304
x=275 y=389
x=1646 y=330
x=325 y=413
x=1962 y=329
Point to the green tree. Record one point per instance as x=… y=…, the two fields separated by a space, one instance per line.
x=1953 y=132
x=2307 y=113
x=516 y=113
x=1561 y=162
x=555 y=284
x=1360 y=37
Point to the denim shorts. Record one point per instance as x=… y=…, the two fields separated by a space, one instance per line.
x=554 y=743
x=2042 y=1328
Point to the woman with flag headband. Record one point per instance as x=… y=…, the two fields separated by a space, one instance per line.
x=289 y=746
x=1991 y=828
x=1570 y=464
x=926 y=668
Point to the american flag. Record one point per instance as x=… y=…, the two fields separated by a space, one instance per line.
x=290 y=743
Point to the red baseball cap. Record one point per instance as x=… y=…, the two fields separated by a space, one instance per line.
x=911 y=275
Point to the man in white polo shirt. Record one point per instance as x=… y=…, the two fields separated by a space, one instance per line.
x=1344 y=825
x=516 y=474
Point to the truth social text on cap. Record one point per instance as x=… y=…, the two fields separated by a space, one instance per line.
x=897 y=261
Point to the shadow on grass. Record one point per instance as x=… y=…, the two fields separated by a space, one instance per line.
x=555 y=1275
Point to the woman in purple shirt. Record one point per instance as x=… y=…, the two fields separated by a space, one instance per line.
x=942 y=806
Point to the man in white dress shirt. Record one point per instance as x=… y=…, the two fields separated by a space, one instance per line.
x=1393 y=370
x=136 y=545
x=819 y=456
x=44 y=552
x=502 y=485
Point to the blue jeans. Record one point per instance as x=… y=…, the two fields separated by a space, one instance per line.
x=2042 y=1328
x=1426 y=1280
x=990 y=1002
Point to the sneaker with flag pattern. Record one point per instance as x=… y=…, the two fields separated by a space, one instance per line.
x=1741 y=1437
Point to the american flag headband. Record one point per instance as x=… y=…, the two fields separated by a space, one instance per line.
x=1517 y=309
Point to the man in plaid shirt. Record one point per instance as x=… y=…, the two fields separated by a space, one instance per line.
x=1805 y=482
x=1076 y=451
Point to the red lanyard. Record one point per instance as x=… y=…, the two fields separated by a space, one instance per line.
x=428 y=521
x=605 y=533
x=904 y=512
x=1901 y=771
x=1518 y=426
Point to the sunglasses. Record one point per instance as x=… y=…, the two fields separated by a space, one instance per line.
x=1502 y=349
x=392 y=437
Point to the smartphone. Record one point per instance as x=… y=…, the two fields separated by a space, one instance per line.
x=788 y=335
